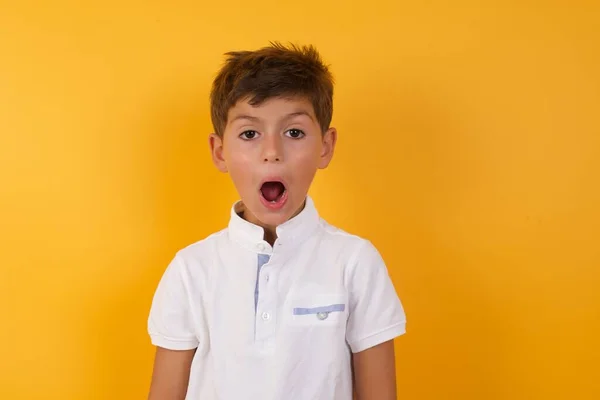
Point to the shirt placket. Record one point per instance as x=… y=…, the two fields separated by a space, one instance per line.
x=266 y=300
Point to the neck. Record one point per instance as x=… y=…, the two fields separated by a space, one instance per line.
x=270 y=236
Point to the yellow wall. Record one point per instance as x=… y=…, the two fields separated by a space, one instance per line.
x=481 y=126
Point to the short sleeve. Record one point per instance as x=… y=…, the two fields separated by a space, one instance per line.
x=376 y=314
x=171 y=319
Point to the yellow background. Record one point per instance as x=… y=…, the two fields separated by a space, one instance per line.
x=469 y=153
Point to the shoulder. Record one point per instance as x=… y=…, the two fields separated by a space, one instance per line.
x=194 y=261
x=358 y=249
x=335 y=235
x=199 y=250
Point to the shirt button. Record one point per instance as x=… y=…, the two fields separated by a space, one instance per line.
x=322 y=315
x=267 y=278
x=266 y=316
x=260 y=247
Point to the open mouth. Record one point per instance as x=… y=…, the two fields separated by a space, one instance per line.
x=273 y=191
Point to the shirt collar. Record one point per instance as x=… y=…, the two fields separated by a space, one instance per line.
x=289 y=234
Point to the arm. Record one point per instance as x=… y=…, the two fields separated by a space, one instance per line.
x=176 y=330
x=375 y=372
x=171 y=374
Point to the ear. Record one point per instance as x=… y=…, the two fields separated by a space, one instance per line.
x=329 y=141
x=216 y=150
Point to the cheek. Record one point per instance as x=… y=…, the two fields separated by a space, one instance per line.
x=236 y=157
x=305 y=156
x=239 y=171
x=305 y=165
x=239 y=166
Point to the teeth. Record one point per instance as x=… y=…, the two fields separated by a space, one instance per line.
x=278 y=197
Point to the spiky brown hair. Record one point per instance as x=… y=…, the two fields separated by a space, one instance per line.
x=269 y=72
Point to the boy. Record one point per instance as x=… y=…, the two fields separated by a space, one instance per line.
x=280 y=305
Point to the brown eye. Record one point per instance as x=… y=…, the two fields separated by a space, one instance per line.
x=247 y=135
x=295 y=133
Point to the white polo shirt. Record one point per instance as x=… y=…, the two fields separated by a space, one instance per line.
x=274 y=323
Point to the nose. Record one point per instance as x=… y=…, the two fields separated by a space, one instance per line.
x=272 y=149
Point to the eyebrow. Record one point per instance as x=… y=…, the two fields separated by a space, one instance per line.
x=299 y=113
x=288 y=116
x=244 y=116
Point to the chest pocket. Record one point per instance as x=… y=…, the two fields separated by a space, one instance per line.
x=317 y=310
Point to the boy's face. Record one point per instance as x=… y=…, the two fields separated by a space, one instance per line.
x=272 y=152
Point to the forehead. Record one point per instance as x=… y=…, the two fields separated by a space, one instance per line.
x=274 y=109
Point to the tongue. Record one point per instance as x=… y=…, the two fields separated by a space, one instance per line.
x=272 y=190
